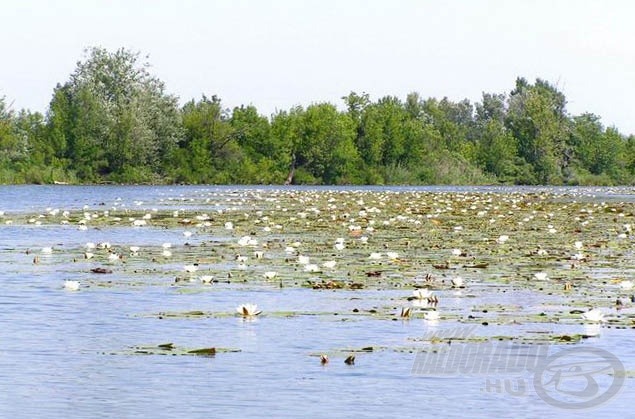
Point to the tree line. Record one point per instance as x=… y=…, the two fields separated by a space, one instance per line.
x=113 y=121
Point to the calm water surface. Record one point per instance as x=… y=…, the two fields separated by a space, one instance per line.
x=67 y=354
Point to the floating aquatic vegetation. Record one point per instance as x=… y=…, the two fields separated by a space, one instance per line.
x=374 y=242
x=173 y=350
x=101 y=271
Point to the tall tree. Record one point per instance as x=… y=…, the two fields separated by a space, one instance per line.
x=538 y=120
x=253 y=132
x=113 y=116
x=384 y=140
x=287 y=129
x=12 y=147
x=326 y=148
x=454 y=121
x=210 y=140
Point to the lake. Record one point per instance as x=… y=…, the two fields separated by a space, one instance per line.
x=136 y=341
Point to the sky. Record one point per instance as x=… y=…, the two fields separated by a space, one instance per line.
x=275 y=54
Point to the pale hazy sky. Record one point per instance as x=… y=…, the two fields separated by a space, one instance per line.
x=276 y=54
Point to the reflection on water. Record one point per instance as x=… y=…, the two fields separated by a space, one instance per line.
x=63 y=353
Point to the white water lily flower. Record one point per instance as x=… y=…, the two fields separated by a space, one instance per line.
x=422 y=293
x=330 y=264
x=392 y=255
x=339 y=246
x=375 y=255
x=432 y=315
x=207 y=279
x=303 y=260
x=270 y=275
x=166 y=245
x=47 y=250
x=541 y=276
x=166 y=253
x=594 y=315
x=502 y=239
x=311 y=267
x=248 y=310
x=71 y=285
x=458 y=282
x=190 y=268
x=187 y=233
x=229 y=225
x=626 y=285
x=578 y=245
x=456 y=252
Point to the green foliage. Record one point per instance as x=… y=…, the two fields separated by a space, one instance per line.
x=537 y=119
x=112 y=114
x=497 y=150
x=112 y=121
x=600 y=152
x=13 y=147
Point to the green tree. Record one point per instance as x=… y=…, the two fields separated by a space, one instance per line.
x=384 y=139
x=454 y=121
x=209 y=145
x=497 y=150
x=253 y=132
x=264 y=160
x=537 y=119
x=491 y=107
x=598 y=150
x=496 y=147
x=13 y=148
x=326 y=148
x=286 y=131
x=113 y=118
x=356 y=106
